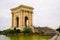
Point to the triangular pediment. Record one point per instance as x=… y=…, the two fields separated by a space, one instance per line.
x=23 y=6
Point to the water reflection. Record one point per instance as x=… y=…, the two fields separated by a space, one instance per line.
x=24 y=37
x=2 y=37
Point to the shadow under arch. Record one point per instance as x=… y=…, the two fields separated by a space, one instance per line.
x=26 y=21
x=17 y=21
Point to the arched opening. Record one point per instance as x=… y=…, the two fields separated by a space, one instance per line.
x=26 y=21
x=17 y=21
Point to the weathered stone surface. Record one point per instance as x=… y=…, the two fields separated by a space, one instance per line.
x=22 y=17
x=44 y=31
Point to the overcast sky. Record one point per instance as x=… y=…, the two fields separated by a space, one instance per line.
x=46 y=12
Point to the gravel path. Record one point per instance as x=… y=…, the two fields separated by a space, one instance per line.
x=56 y=37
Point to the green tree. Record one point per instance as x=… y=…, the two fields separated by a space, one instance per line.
x=58 y=29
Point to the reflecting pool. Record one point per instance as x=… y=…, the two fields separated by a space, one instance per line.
x=24 y=37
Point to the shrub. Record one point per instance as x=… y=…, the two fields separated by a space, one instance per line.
x=9 y=31
x=17 y=31
x=58 y=29
x=26 y=30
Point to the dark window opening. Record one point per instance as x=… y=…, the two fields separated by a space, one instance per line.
x=17 y=19
x=26 y=21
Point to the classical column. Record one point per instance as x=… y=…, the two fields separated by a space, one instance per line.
x=12 y=20
x=30 y=18
x=23 y=19
x=20 y=19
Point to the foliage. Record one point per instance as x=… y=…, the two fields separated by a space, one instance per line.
x=0 y=32
x=17 y=31
x=58 y=29
x=9 y=31
x=26 y=30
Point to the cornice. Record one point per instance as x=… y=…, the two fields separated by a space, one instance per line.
x=22 y=6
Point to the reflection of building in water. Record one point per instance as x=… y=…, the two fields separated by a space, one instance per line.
x=22 y=17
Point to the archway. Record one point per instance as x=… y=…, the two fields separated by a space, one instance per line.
x=26 y=21
x=17 y=21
